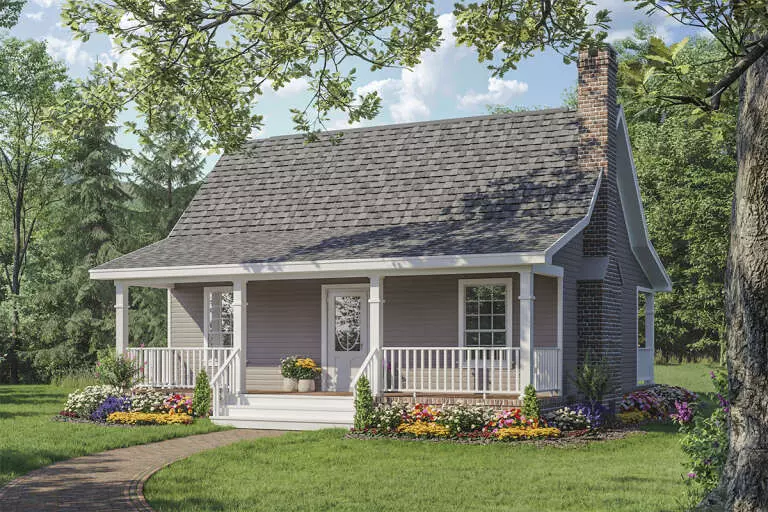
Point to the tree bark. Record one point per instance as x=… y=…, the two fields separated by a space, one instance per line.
x=744 y=483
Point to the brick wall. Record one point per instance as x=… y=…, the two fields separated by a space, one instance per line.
x=600 y=302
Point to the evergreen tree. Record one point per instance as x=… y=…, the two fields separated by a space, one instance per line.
x=168 y=169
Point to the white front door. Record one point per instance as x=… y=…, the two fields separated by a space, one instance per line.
x=347 y=336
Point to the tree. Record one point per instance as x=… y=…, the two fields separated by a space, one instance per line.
x=72 y=316
x=9 y=12
x=176 y=48
x=31 y=85
x=686 y=168
x=168 y=169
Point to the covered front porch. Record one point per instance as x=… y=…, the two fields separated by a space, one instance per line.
x=469 y=333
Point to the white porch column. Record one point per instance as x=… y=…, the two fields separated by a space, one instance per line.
x=650 y=313
x=376 y=329
x=121 y=317
x=240 y=329
x=526 y=299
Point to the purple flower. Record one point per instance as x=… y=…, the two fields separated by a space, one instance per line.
x=684 y=412
x=691 y=475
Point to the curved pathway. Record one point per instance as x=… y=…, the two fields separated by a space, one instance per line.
x=111 y=480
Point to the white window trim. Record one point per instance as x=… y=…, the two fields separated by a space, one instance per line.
x=505 y=281
x=206 y=306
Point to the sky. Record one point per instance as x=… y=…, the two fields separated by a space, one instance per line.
x=447 y=83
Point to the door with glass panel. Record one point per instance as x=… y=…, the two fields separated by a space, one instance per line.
x=218 y=317
x=347 y=336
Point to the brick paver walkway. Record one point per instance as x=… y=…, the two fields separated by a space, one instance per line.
x=111 y=480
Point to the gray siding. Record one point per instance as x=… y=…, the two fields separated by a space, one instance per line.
x=284 y=317
x=187 y=316
x=570 y=258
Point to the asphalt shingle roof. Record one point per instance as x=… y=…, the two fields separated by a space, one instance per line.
x=480 y=185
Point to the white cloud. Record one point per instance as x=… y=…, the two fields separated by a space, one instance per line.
x=418 y=87
x=37 y=16
x=499 y=92
x=68 y=50
x=47 y=3
x=292 y=88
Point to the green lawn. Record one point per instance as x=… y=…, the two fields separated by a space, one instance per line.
x=323 y=471
x=693 y=376
x=29 y=439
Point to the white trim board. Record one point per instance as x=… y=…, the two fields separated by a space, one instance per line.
x=335 y=268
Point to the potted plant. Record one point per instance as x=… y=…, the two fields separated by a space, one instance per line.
x=306 y=371
x=288 y=371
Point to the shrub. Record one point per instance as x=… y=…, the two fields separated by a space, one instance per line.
x=424 y=429
x=120 y=371
x=201 y=400
x=464 y=418
x=592 y=379
x=110 y=405
x=531 y=408
x=85 y=402
x=147 y=400
x=567 y=418
x=178 y=404
x=515 y=433
x=288 y=367
x=705 y=442
x=153 y=418
x=387 y=416
x=363 y=404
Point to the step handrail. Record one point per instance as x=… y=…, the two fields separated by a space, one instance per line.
x=217 y=384
x=363 y=370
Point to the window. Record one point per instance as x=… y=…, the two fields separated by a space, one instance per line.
x=218 y=317
x=486 y=313
x=347 y=323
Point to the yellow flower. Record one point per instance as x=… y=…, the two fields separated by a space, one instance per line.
x=526 y=433
x=424 y=428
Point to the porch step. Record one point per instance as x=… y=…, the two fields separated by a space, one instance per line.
x=289 y=412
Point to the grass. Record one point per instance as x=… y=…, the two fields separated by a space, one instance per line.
x=29 y=439
x=693 y=376
x=317 y=471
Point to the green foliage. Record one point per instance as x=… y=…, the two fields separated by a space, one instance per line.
x=705 y=442
x=180 y=58
x=9 y=12
x=288 y=367
x=592 y=378
x=531 y=408
x=686 y=165
x=201 y=400
x=119 y=371
x=75 y=379
x=364 y=411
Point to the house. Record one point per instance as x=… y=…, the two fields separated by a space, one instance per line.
x=455 y=258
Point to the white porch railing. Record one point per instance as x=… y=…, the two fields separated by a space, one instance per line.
x=546 y=368
x=645 y=365
x=225 y=382
x=460 y=370
x=165 y=367
x=451 y=370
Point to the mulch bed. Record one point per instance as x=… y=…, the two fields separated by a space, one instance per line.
x=74 y=419
x=572 y=438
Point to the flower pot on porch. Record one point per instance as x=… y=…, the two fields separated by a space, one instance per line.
x=306 y=385
x=290 y=385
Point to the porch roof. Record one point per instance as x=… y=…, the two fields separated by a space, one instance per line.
x=495 y=184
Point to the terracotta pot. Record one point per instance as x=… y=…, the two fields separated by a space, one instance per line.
x=306 y=385
x=290 y=384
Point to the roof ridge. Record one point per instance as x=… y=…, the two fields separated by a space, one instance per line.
x=253 y=142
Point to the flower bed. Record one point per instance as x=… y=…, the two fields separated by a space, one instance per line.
x=149 y=418
x=457 y=422
x=144 y=406
x=658 y=402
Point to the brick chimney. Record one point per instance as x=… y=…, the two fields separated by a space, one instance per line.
x=599 y=310
x=596 y=96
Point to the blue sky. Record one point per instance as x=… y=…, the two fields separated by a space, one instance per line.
x=448 y=83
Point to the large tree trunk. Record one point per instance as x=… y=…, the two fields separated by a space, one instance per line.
x=744 y=484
